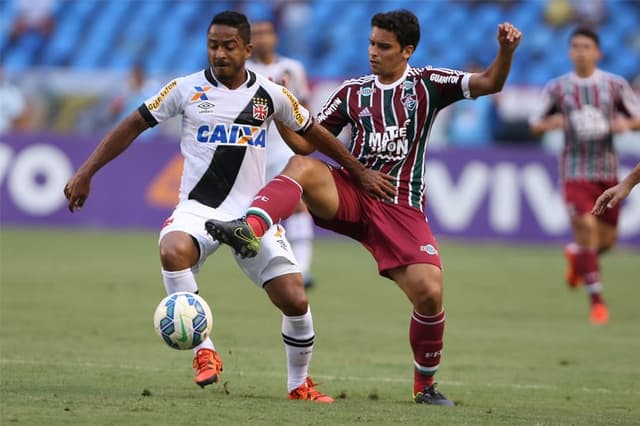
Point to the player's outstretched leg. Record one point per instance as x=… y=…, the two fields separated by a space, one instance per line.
x=208 y=367
x=430 y=395
x=235 y=233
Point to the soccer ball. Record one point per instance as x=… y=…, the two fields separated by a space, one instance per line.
x=183 y=320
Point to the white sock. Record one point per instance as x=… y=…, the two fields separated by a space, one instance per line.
x=184 y=280
x=297 y=333
x=299 y=228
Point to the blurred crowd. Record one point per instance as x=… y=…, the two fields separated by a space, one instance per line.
x=68 y=100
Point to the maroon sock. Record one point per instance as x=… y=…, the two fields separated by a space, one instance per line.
x=425 y=337
x=276 y=201
x=588 y=266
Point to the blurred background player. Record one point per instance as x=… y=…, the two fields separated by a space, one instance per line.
x=226 y=111
x=590 y=105
x=291 y=74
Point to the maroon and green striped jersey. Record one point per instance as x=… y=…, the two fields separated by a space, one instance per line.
x=390 y=123
x=588 y=106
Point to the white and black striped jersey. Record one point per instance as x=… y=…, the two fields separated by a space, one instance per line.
x=224 y=134
x=291 y=74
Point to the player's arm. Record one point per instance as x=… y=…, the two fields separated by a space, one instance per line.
x=617 y=193
x=493 y=78
x=297 y=143
x=112 y=145
x=375 y=183
x=550 y=122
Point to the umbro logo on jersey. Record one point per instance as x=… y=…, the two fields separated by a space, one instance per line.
x=365 y=113
x=200 y=94
x=205 y=105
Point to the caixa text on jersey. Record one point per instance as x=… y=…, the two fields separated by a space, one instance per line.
x=235 y=134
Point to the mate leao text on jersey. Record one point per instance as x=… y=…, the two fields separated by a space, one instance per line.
x=224 y=134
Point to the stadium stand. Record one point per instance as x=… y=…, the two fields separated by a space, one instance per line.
x=95 y=34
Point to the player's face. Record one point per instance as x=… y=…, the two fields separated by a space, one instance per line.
x=387 y=58
x=584 y=53
x=227 y=54
x=263 y=38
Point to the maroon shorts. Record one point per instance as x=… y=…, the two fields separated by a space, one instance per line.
x=395 y=235
x=580 y=196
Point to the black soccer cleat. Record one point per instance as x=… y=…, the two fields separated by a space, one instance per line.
x=235 y=233
x=432 y=397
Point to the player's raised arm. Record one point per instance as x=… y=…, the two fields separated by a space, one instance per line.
x=493 y=78
x=112 y=145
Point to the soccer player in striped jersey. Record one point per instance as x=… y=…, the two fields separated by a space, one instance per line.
x=589 y=105
x=290 y=73
x=226 y=111
x=390 y=112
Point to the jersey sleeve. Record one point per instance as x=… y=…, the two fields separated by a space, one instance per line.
x=545 y=105
x=290 y=111
x=627 y=102
x=333 y=115
x=163 y=105
x=448 y=85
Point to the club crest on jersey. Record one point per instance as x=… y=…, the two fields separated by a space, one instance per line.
x=200 y=94
x=260 y=109
x=409 y=101
x=234 y=134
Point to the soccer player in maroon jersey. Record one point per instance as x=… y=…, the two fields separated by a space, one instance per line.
x=390 y=112
x=589 y=105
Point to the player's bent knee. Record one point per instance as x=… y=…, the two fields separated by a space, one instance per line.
x=177 y=254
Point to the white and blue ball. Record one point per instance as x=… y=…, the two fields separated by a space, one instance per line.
x=183 y=320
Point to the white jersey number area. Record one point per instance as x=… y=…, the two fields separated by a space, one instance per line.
x=224 y=134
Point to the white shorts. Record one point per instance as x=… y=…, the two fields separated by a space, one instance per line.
x=274 y=259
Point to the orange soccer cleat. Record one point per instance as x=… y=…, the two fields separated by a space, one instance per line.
x=208 y=366
x=574 y=280
x=308 y=392
x=599 y=314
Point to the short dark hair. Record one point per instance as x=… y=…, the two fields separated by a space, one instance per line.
x=587 y=32
x=236 y=20
x=403 y=23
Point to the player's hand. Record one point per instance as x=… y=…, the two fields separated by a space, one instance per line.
x=620 y=124
x=77 y=191
x=555 y=121
x=610 y=198
x=508 y=36
x=377 y=184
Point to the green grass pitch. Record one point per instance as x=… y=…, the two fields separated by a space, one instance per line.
x=77 y=346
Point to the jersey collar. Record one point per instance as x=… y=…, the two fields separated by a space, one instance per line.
x=395 y=83
x=250 y=81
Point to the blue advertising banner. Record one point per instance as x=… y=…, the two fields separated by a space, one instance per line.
x=485 y=194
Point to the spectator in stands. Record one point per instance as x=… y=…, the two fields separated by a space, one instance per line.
x=590 y=105
x=14 y=111
x=33 y=16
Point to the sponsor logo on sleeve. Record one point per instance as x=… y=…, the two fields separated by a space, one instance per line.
x=444 y=79
x=295 y=105
x=155 y=104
